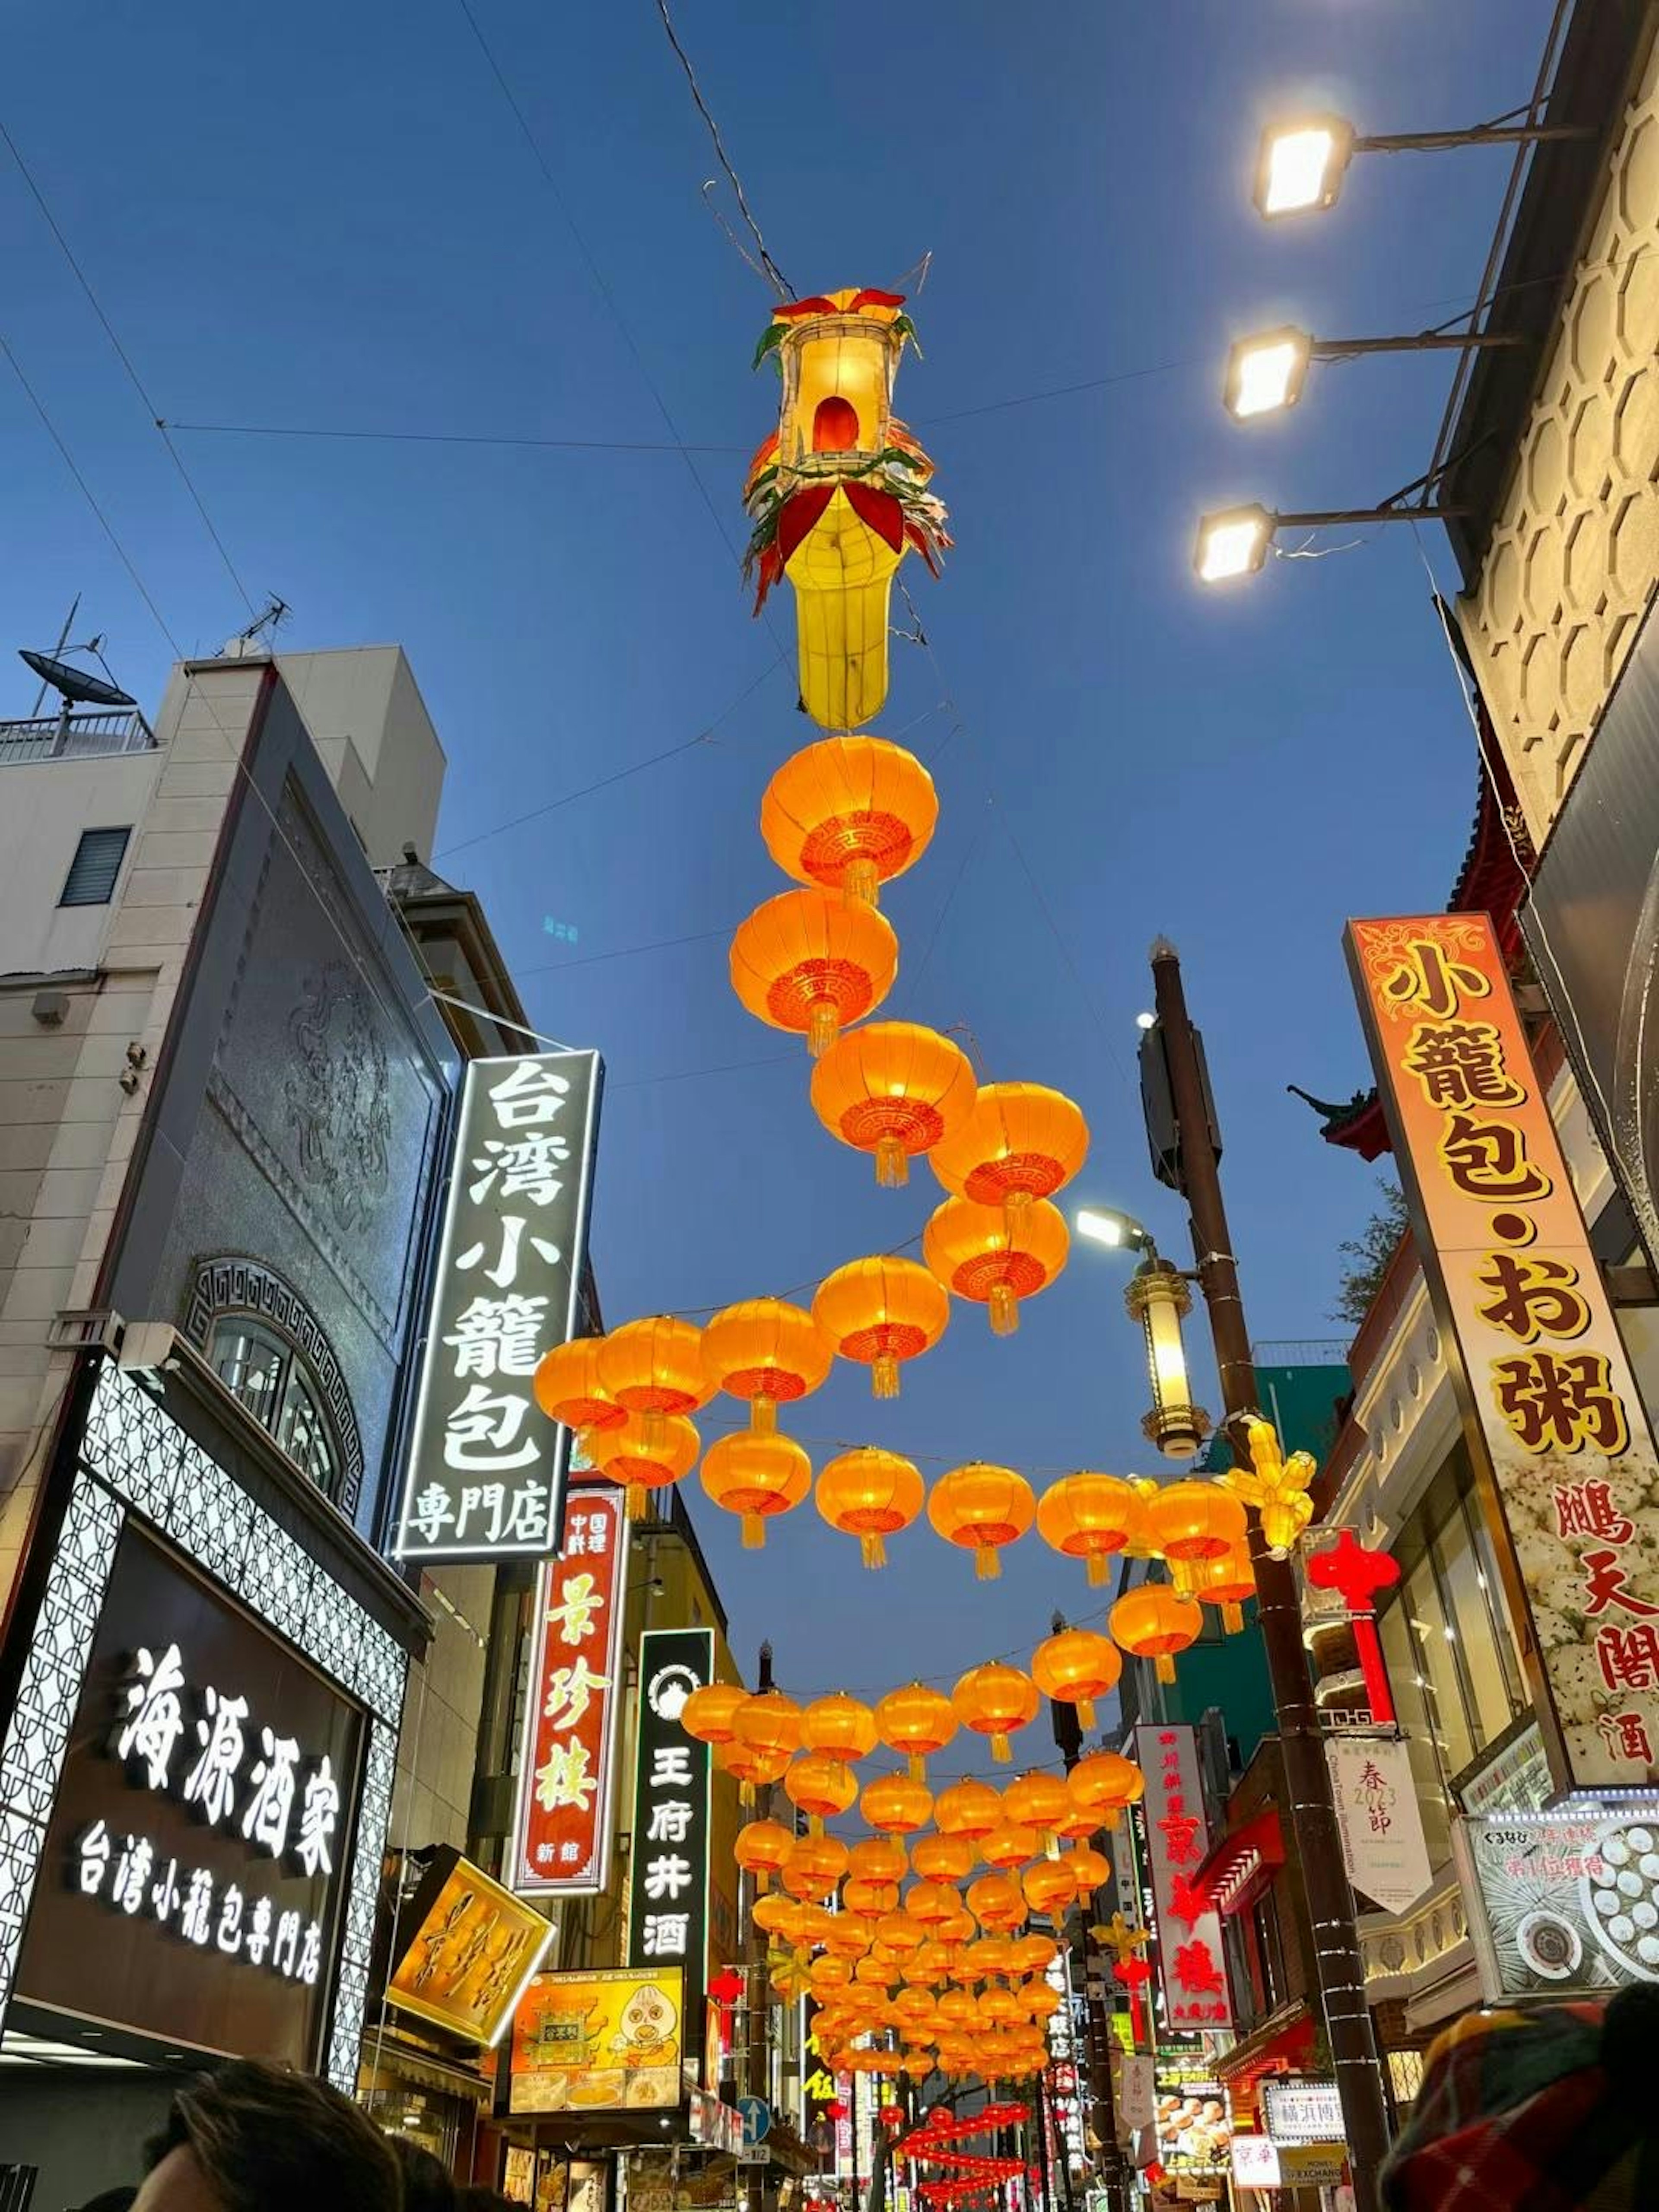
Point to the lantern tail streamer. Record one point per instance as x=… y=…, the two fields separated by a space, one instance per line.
x=861 y=885
x=754 y=1533
x=764 y=1416
x=634 y=1501
x=1085 y=1713
x=1094 y=1569
x=892 y=1164
x=884 y=1376
x=654 y=1435
x=988 y=1564
x=874 y=1550
x=1232 y=1619
x=1005 y=1309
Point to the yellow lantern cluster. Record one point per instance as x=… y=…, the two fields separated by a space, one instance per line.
x=1276 y=1486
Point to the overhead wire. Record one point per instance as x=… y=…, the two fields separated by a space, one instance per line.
x=774 y=274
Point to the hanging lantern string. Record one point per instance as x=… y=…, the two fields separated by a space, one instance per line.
x=769 y=267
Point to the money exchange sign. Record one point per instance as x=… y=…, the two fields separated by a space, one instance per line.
x=668 y=1876
x=1546 y=1383
x=567 y=1752
x=486 y=1470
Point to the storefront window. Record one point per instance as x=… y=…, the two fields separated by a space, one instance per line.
x=1411 y=1703
x=268 y=1376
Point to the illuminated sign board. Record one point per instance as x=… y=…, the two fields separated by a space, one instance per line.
x=474 y=1949
x=567 y=1746
x=487 y=1470
x=1192 y=1965
x=668 y=1860
x=607 y=2041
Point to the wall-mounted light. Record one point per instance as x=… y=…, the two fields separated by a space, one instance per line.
x=1303 y=161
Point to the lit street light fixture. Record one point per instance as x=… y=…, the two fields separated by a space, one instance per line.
x=1119 y=1232
x=1301 y=163
x=1266 y=373
x=1157 y=1298
x=1235 y=541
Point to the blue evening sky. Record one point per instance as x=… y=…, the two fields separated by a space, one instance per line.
x=327 y=218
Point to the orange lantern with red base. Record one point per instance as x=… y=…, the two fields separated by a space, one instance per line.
x=776 y=1915
x=769 y=1722
x=1091 y=1517
x=1101 y=1786
x=838 y=1725
x=880 y=1312
x=762 y=1849
x=917 y=1721
x=568 y=1390
x=756 y=1478
x=994 y=1700
x=896 y=1805
x=1039 y=1801
x=871 y=1494
x=827 y=1976
x=1049 y=1888
x=711 y=1714
x=942 y=1858
x=654 y=1368
x=820 y=1786
x=765 y=1352
x=750 y=1767
x=1228 y=1582
x=981 y=1508
x=809 y=964
x=1156 y=1622
x=968 y=1811
x=931 y=1904
x=1090 y=1869
x=814 y=1864
x=849 y=1934
x=893 y=1089
x=880 y=1858
x=869 y=1898
x=1008 y=1845
x=848 y=814
x=1192 y=1522
x=995 y=1901
x=981 y=1254
x=627 y=1456
x=1074 y=1667
x=1021 y=1143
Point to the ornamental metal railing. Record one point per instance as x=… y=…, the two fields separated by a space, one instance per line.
x=90 y=735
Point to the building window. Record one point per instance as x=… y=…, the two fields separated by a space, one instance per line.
x=1405 y=2077
x=272 y=1381
x=97 y=863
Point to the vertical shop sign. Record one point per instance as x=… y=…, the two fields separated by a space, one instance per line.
x=1383 y=1844
x=486 y=1471
x=1547 y=1386
x=1192 y=1965
x=668 y=1879
x=568 y=1749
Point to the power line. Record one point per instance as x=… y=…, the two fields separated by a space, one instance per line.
x=779 y=281
x=125 y=359
x=449 y=438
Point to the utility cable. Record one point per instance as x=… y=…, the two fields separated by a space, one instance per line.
x=775 y=276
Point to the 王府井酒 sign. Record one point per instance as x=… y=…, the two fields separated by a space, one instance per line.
x=668 y=1867
x=1546 y=1384
x=486 y=1472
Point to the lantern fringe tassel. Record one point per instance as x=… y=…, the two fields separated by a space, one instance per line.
x=874 y=1550
x=861 y=883
x=763 y=1416
x=1005 y=1309
x=1094 y=1569
x=884 y=1376
x=654 y=1429
x=1085 y=1714
x=754 y=1533
x=986 y=1563
x=1164 y=1668
x=634 y=1501
x=918 y=1767
x=823 y=1026
x=1015 y=1205
x=1000 y=1749
x=1232 y=1619
x=892 y=1164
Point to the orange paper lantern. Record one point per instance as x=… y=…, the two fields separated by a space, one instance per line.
x=751 y=1767
x=849 y=1934
x=1035 y=1955
x=880 y=1858
x=917 y=1721
x=809 y=964
x=766 y=1353
x=762 y=1849
x=838 y=1724
x=981 y=1508
x=1040 y=1801
x=1101 y=1786
x=942 y=1858
x=968 y=1810
x=1022 y=1143
x=870 y=1494
x=628 y=1457
x=1075 y=1666
x=1090 y=1869
x=931 y=1904
x=568 y=1390
x=775 y=1915
x=1195 y=1521
x=711 y=1714
x=848 y=814
x=1227 y=1582
x=756 y=1478
x=1091 y=1517
x=994 y=1700
x=892 y=1090
x=995 y=1901
x=896 y=1805
x=814 y=1863
x=1049 y=1888
x=1009 y=1845
x=820 y=1786
x=869 y=1898
x=880 y=1312
x=1156 y=1622
x=828 y=1975
x=980 y=1254
x=769 y=1722
x=654 y=1368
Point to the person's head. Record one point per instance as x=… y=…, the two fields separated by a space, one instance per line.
x=427 y=2183
x=254 y=2138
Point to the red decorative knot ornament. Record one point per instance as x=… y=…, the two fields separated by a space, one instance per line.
x=1358 y=1572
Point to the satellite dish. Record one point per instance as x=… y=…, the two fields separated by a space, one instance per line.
x=76 y=685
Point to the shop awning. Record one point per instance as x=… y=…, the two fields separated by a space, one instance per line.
x=1240 y=1865
x=1282 y=2045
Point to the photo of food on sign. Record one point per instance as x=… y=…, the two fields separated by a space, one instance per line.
x=606 y=2040
x=1566 y=1905
x=1195 y=2129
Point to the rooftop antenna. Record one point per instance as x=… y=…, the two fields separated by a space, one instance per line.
x=274 y=612
x=75 y=685
x=62 y=640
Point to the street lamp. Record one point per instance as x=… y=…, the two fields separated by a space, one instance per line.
x=1104 y=1225
x=1235 y=541
x=1266 y=373
x=1157 y=1298
x=1303 y=162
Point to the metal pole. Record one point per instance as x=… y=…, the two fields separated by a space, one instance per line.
x=1438 y=142
x=756 y=2006
x=1423 y=342
x=1338 y=1970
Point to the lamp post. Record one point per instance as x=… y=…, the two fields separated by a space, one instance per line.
x=1235 y=541
x=1338 y=1971
x=1302 y=163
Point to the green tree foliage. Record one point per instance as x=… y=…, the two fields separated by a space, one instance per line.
x=1369 y=1254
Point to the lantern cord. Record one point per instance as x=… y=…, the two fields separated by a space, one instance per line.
x=774 y=275
x=914 y=992
x=711 y=184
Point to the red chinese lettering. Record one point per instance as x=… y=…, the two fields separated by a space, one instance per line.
x=1625 y=1736
x=1180 y=1839
x=1605 y=1586
x=1188 y=1902
x=1586 y=1509
x=1196 y=1971
x=1629 y=1657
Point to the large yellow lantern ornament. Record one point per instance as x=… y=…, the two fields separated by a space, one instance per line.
x=756 y=1478
x=766 y=1354
x=839 y=494
x=880 y=1312
x=893 y=1089
x=871 y=1494
x=1276 y=1485
x=977 y=1252
x=1156 y=1622
x=805 y=963
x=848 y=814
x=981 y=1508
